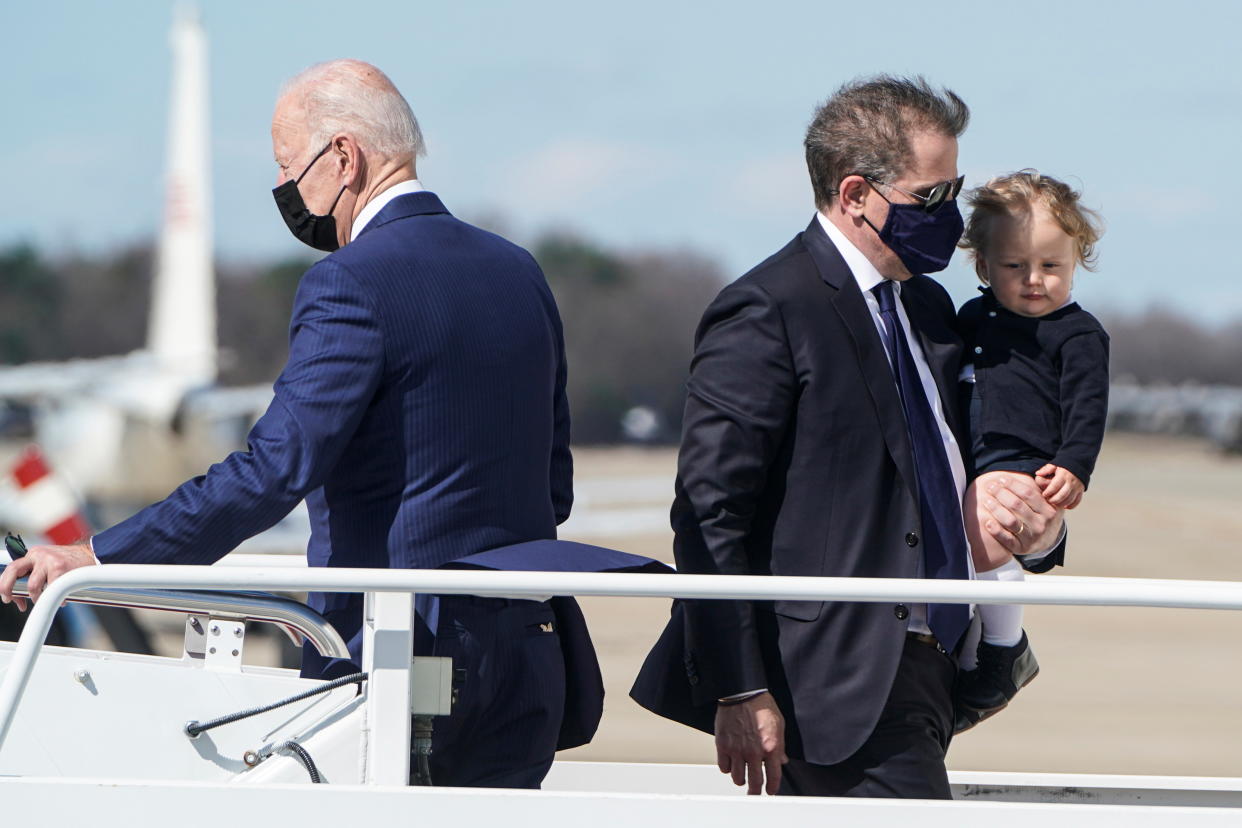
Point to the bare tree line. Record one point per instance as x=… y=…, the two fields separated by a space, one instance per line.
x=1165 y=347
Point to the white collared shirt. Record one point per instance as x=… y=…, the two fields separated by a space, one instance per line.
x=380 y=201
x=867 y=278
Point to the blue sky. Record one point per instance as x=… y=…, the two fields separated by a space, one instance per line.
x=653 y=123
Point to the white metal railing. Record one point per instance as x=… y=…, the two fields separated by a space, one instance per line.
x=1218 y=595
x=294 y=617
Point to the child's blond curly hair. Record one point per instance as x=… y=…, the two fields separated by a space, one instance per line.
x=1017 y=193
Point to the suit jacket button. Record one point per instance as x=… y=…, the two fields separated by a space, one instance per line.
x=912 y=539
x=901 y=611
x=978 y=349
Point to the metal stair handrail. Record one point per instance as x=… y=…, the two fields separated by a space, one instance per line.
x=242 y=606
x=1130 y=592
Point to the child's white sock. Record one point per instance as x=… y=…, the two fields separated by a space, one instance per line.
x=1002 y=623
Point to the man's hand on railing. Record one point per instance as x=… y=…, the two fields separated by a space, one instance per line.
x=750 y=743
x=40 y=566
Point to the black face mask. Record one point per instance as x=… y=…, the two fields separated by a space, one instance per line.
x=317 y=231
x=923 y=241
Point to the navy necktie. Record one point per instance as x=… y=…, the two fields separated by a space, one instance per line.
x=944 y=542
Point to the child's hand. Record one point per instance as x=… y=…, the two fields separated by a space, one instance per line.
x=1060 y=486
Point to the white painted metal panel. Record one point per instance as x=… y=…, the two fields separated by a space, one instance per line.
x=387 y=650
x=107 y=804
x=1099 y=789
x=90 y=712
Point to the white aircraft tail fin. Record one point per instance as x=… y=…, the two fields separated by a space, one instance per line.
x=182 y=329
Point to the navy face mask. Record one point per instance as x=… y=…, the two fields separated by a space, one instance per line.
x=317 y=231
x=923 y=241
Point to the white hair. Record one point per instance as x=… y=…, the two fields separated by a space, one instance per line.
x=357 y=98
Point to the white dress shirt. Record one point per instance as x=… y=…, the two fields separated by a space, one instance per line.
x=380 y=201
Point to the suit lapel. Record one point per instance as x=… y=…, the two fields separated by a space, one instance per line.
x=855 y=315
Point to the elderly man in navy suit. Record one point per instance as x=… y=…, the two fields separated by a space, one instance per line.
x=422 y=415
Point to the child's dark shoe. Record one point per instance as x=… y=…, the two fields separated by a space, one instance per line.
x=1001 y=673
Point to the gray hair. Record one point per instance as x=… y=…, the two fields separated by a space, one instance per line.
x=355 y=97
x=865 y=129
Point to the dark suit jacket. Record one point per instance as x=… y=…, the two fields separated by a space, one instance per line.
x=795 y=460
x=422 y=415
x=1042 y=381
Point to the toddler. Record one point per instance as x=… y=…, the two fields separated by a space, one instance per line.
x=1038 y=391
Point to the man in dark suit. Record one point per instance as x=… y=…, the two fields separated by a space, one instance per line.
x=422 y=415
x=821 y=438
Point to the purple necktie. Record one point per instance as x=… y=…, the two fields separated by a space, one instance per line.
x=944 y=542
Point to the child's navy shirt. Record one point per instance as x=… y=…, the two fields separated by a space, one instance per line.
x=1042 y=380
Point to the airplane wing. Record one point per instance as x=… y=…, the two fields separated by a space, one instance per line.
x=37 y=381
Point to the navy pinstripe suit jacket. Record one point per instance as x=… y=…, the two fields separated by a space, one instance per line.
x=422 y=415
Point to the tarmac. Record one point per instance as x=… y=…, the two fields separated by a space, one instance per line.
x=1121 y=690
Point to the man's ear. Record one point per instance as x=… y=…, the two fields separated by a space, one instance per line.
x=347 y=159
x=853 y=195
